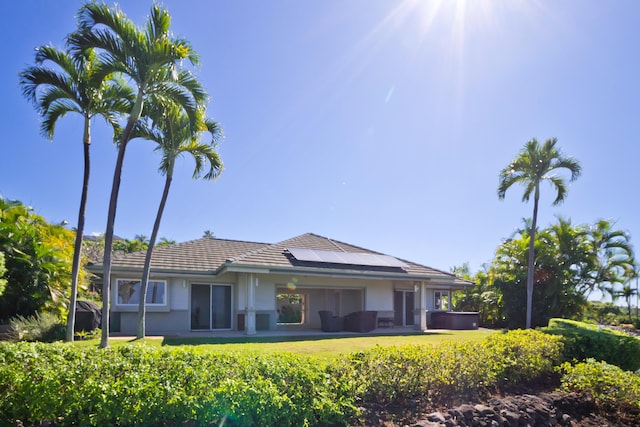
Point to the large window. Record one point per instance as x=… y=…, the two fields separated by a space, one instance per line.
x=291 y=308
x=129 y=292
x=441 y=300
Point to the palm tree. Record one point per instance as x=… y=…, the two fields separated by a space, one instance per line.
x=535 y=164
x=58 y=84
x=171 y=131
x=611 y=258
x=150 y=59
x=164 y=241
x=627 y=293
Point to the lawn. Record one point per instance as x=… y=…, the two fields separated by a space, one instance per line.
x=317 y=345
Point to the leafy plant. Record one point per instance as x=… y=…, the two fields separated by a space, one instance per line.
x=607 y=384
x=45 y=327
x=584 y=341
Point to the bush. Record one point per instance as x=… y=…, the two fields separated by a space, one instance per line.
x=609 y=385
x=583 y=341
x=400 y=375
x=45 y=327
x=144 y=386
x=147 y=386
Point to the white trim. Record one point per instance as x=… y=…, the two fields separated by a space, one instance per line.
x=136 y=304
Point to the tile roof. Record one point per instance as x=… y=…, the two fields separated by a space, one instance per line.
x=207 y=255
x=201 y=255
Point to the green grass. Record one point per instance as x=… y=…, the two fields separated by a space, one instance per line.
x=316 y=345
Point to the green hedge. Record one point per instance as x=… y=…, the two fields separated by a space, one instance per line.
x=584 y=341
x=607 y=384
x=397 y=376
x=145 y=386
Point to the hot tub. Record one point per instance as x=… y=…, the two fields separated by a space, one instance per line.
x=456 y=320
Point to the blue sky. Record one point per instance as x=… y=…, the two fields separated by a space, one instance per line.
x=379 y=123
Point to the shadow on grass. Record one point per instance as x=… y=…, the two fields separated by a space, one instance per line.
x=174 y=341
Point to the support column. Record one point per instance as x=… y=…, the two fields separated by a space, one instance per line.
x=250 y=326
x=420 y=313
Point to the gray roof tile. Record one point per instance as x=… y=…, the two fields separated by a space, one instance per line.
x=207 y=255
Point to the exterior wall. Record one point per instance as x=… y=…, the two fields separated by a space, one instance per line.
x=157 y=323
x=175 y=317
x=340 y=295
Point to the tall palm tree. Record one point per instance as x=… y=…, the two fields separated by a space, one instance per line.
x=60 y=83
x=150 y=59
x=534 y=165
x=171 y=131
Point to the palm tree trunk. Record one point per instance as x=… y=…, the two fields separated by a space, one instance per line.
x=147 y=259
x=111 y=217
x=77 y=248
x=530 y=267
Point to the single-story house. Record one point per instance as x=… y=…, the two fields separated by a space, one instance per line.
x=214 y=284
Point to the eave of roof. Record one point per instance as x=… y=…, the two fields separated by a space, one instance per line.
x=215 y=257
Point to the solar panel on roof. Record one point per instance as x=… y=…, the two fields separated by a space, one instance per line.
x=349 y=258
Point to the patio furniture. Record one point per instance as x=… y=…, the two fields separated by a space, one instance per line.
x=329 y=322
x=385 y=322
x=360 y=321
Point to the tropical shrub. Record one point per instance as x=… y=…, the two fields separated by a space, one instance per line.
x=45 y=327
x=583 y=341
x=143 y=386
x=37 y=256
x=607 y=384
x=399 y=375
x=147 y=386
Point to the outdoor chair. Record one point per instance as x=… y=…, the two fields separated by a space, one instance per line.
x=360 y=321
x=329 y=322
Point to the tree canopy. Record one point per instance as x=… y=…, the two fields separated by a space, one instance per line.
x=38 y=258
x=534 y=165
x=568 y=264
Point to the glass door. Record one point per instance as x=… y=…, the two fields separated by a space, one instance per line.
x=403 y=306
x=210 y=307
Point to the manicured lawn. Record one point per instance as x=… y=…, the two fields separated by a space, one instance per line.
x=317 y=345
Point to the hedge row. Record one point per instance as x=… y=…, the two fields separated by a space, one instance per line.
x=144 y=386
x=583 y=341
x=609 y=385
x=397 y=376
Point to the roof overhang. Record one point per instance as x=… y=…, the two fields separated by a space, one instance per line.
x=336 y=273
x=435 y=279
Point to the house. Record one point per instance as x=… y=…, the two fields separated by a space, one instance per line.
x=216 y=284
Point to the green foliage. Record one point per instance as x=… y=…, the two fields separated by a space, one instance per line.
x=399 y=376
x=145 y=386
x=605 y=313
x=609 y=385
x=483 y=297
x=37 y=259
x=45 y=327
x=570 y=262
x=584 y=341
x=3 y=269
x=142 y=386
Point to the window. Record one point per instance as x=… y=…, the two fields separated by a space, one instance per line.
x=441 y=300
x=129 y=292
x=291 y=308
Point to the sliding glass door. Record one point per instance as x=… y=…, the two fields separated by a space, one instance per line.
x=210 y=307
